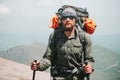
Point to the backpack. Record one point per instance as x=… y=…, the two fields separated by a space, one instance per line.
x=83 y=20
x=84 y=25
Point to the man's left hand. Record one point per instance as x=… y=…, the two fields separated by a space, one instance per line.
x=88 y=68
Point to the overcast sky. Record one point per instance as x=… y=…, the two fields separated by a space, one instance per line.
x=33 y=16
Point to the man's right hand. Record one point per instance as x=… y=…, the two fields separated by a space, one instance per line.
x=34 y=65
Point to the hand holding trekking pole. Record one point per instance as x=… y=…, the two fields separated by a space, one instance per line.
x=88 y=70
x=34 y=66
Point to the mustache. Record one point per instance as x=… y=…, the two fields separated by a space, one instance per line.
x=67 y=24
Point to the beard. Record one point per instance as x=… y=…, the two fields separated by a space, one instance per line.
x=69 y=28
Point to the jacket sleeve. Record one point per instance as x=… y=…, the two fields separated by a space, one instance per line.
x=88 y=49
x=46 y=61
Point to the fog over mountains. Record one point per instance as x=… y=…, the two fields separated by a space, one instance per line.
x=106 y=62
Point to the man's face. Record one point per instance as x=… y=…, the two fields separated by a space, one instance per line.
x=68 y=22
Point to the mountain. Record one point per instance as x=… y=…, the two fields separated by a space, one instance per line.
x=10 y=70
x=106 y=64
x=24 y=53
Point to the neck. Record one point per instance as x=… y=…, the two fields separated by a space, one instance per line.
x=69 y=33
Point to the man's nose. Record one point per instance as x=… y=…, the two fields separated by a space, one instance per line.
x=67 y=18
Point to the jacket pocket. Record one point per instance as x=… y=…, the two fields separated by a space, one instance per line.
x=77 y=48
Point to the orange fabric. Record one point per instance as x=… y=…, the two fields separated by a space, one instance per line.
x=90 y=25
x=55 y=22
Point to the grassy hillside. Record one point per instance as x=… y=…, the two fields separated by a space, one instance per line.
x=106 y=62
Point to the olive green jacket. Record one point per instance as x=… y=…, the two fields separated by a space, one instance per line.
x=66 y=51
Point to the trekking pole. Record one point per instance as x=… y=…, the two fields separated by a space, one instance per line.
x=88 y=77
x=34 y=71
x=33 y=78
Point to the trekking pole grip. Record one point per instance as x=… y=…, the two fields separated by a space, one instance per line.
x=34 y=71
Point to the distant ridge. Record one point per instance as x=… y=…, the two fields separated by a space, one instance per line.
x=24 y=53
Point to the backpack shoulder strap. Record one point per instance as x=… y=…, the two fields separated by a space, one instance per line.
x=56 y=36
x=55 y=40
x=81 y=35
x=82 y=38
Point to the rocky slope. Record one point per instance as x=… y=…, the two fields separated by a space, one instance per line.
x=10 y=70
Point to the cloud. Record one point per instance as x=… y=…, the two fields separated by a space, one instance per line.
x=4 y=10
x=55 y=3
x=44 y=3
